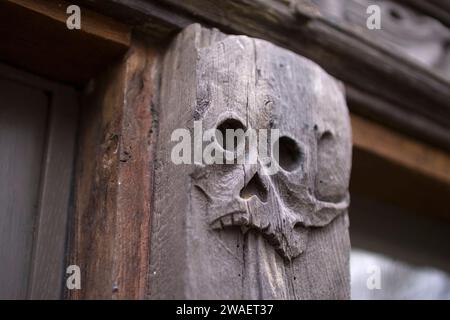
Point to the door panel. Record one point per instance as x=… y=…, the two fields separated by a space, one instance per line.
x=23 y=118
x=38 y=121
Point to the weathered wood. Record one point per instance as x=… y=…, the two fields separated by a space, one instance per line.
x=232 y=230
x=413 y=35
x=45 y=46
x=110 y=230
x=385 y=113
x=435 y=8
x=341 y=50
x=395 y=147
x=396 y=169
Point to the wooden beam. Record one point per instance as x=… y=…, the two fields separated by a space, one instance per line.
x=398 y=120
x=435 y=8
x=114 y=178
x=407 y=152
x=35 y=37
x=392 y=168
x=92 y=23
x=341 y=50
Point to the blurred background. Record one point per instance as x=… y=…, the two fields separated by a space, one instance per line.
x=400 y=211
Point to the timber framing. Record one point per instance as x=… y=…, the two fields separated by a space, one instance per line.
x=404 y=89
x=396 y=169
x=435 y=8
x=35 y=37
x=110 y=226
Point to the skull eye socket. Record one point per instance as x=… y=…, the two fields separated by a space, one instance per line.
x=290 y=155
x=236 y=137
x=329 y=182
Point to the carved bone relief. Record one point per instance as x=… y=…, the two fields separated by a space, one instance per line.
x=233 y=230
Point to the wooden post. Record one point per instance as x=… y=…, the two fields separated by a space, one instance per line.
x=110 y=226
x=233 y=231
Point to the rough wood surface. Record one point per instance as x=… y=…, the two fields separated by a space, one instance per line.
x=210 y=239
x=382 y=74
x=109 y=236
x=412 y=34
x=435 y=8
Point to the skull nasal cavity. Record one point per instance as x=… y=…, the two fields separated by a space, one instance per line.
x=255 y=187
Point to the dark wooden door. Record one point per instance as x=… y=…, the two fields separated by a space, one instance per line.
x=36 y=142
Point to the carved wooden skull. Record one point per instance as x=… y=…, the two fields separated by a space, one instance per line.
x=308 y=108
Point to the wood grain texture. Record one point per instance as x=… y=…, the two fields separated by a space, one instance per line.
x=382 y=74
x=412 y=34
x=109 y=236
x=401 y=121
x=435 y=8
x=208 y=240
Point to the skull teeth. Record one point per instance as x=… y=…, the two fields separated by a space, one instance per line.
x=227 y=220
x=232 y=219
x=244 y=229
x=244 y=221
x=216 y=224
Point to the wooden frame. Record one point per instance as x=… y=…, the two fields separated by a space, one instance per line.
x=55 y=186
x=419 y=92
x=113 y=189
x=396 y=169
x=45 y=46
x=435 y=8
x=415 y=115
x=73 y=58
x=415 y=156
